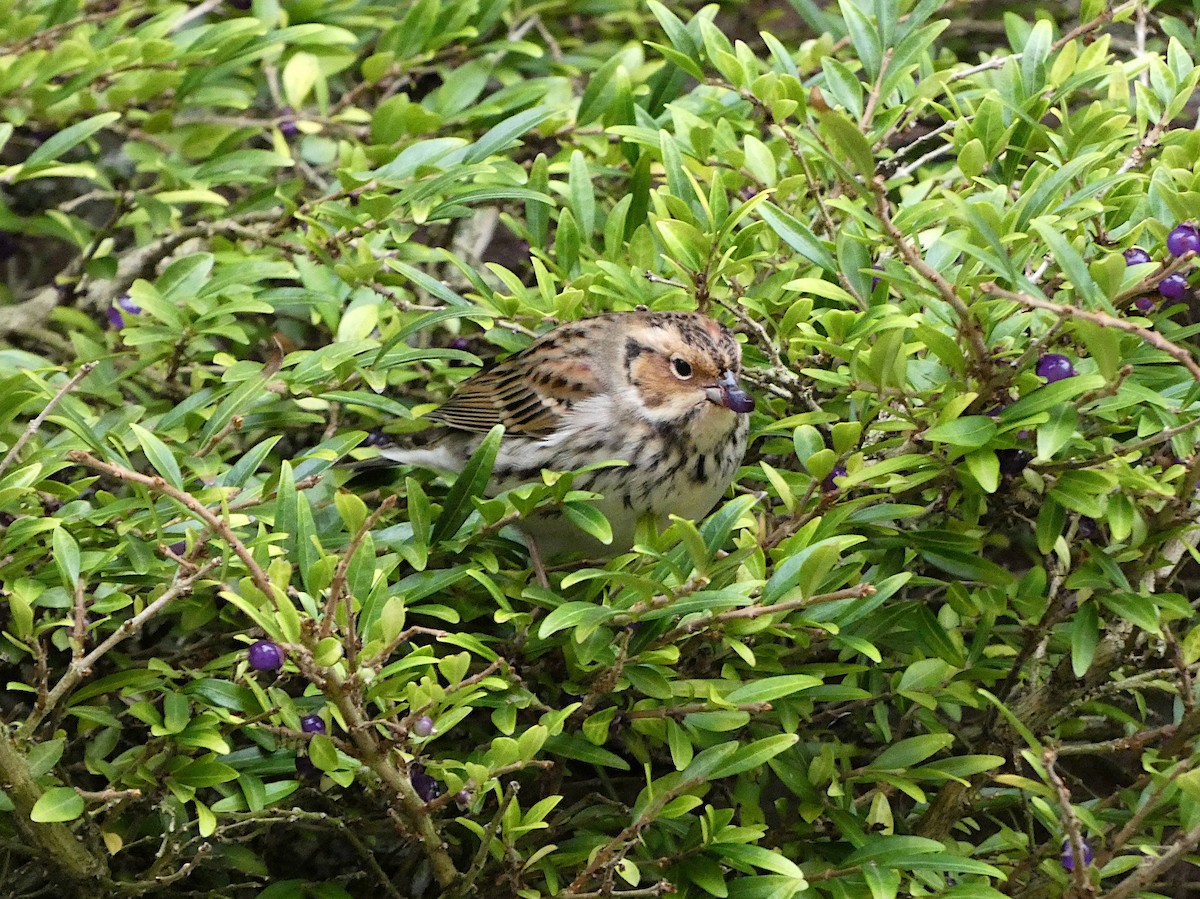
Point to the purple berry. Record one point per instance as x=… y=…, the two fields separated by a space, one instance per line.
x=1068 y=855
x=312 y=724
x=1143 y=304
x=423 y=726
x=1173 y=287
x=829 y=485
x=1183 y=239
x=1136 y=256
x=462 y=798
x=460 y=343
x=287 y=122
x=266 y=656
x=1055 y=367
x=424 y=785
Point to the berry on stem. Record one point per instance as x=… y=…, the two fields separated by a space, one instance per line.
x=266 y=656
x=1055 y=367
x=1184 y=238
x=423 y=726
x=1136 y=256
x=312 y=724
x=1173 y=287
x=423 y=784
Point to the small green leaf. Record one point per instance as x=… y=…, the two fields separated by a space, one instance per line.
x=970 y=432
x=908 y=752
x=59 y=143
x=159 y=456
x=754 y=755
x=322 y=753
x=66 y=556
x=56 y=805
x=589 y=519
x=471 y=481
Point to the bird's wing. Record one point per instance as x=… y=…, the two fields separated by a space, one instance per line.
x=529 y=394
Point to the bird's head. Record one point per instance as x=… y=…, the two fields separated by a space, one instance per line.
x=682 y=365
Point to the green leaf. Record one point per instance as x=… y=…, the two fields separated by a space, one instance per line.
x=322 y=753
x=754 y=755
x=159 y=456
x=970 y=432
x=471 y=482
x=589 y=519
x=908 y=752
x=1049 y=396
x=59 y=143
x=770 y=688
x=847 y=137
x=501 y=136
x=56 y=805
x=44 y=756
x=574 y=747
x=798 y=236
x=1085 y=636
x=1071 y=262
x=66 y=556
x=573 y=614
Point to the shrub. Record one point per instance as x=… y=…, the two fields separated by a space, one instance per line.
x=936 y=640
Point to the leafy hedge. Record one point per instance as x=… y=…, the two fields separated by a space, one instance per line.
x=939 y=636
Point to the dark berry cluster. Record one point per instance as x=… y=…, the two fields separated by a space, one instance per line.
x=1183 y=239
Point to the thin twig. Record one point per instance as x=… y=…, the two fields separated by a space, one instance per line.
x=860 y=591
x=467 y=883
x=1081 y=882
x=81 y=668
x=1156 y=340
x=84 y=371
x=967 y=325
x=216 y=524
x=337 y=586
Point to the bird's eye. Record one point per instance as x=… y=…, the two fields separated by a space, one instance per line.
x=681 y=367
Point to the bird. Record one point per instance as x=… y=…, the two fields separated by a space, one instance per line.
x=655 y=390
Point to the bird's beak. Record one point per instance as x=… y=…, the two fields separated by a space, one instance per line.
x=728 y=393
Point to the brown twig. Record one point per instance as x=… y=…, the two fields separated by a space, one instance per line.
x=234 y=424
x=967 y=325
x=32 y=428
x=216 y=524
x=1081 y=883
x=859 y=591
x=337 y=586
x=82 y=667
x=1153 y=338
x=79 y=624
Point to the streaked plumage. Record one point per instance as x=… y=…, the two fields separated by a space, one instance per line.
x=657 y=390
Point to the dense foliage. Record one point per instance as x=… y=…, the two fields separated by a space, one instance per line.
x=937 y=641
